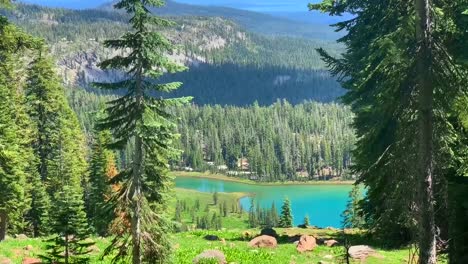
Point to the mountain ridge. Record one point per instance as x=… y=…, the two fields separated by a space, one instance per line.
x=253 y=21
x=229 y=65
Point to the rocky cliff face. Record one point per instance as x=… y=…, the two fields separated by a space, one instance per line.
x=78 y=60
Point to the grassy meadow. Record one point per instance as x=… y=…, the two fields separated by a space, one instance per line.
x=234 y=237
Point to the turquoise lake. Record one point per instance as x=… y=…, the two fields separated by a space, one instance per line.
x=323 y=203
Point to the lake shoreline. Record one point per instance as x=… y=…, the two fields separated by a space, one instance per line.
x=222 y=177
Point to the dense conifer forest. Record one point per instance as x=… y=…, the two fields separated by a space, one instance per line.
x=276 y=143
x=281 y=142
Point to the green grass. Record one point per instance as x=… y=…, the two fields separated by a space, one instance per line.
x=234 y=220
x=15 y=249
x=189 y=244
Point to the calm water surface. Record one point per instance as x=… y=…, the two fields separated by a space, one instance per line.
x=323 y=203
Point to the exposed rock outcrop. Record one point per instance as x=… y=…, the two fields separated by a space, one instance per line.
x=210 y=254
x=306 y=243
x=263 y=242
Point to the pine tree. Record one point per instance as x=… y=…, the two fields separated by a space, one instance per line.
x=352 y=216
x=225 y=209
x=286 y=218
x=70 y=225
x=215 y=198
x=58 y=142
x=274 y=215
x=15 y=157
x=402 y=81
x=64 y=159
x=12 y=162
x=144 y=120
x=39 y=213
x=102 y=170
x=253 y=217
x=58 y=130
x=178 y=212
x=306 y=221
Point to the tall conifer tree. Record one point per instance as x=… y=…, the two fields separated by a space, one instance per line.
x=402 y=80
x=102 y=170
x=15 y=155
x=70 y=244
x=145 y=121
x=58 y=130
x=286 y=217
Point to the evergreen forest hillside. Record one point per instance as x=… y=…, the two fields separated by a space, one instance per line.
x=281 y=142
x=225 y=59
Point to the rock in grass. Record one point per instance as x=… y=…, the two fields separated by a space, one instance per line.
x=263 y=242
x=210 y=255
x=306 y=243
x=21 y=237
x=31 y=261
x=6 y=261
x=361 y=252
x=330 y=243
x=211 y=238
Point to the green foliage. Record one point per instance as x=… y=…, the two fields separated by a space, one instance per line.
x=15 y=130
x=144 y=120
x=58 y=143
x=39 y=213
x=102 y=171
x=353 y=215
x=13 y=161
x=279 y=142
x=215 y=198
x=286 y=217
x=5 y=3
x=306 y=221
x=385 y=70
x=253 y=218
x=71 y=229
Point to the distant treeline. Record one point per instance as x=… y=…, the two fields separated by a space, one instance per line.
x=279 y=142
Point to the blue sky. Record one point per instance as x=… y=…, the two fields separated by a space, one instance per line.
x=268 y=6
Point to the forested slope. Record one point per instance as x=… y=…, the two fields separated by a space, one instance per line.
x=226 y=61
x=308 y=141
x=228 y=66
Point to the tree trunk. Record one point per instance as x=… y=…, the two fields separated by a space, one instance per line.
x=136 y=203
x=3 y=224
x=425 y=197
x=137 y=256
x=67 y=247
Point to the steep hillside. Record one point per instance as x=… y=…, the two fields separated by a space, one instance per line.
x=228 y=65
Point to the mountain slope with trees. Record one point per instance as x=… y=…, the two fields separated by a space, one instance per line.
x=225 y=60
